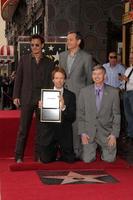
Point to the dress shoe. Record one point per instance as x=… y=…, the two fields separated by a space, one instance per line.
x=129 y=141
x=19 y=160
x=39 y=160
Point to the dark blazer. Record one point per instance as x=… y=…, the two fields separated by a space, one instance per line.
x=63 y=131
x=48 y=129
x=69 y=114
x=60 y=133
x=23 y=82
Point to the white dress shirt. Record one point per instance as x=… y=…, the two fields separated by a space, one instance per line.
x=129 y=85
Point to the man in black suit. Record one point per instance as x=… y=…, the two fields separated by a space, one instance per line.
x=33 y=74
x=59 y=136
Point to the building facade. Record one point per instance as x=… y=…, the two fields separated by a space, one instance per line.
x=127 y=30
x=100 y=22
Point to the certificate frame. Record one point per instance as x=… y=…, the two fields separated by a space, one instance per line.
x=50 y=110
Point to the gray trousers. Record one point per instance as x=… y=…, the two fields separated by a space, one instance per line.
x=108 y=154
x=76 y=140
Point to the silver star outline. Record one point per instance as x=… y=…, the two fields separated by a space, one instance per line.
x=73 y=177
x=56 y=56
x=51 y=48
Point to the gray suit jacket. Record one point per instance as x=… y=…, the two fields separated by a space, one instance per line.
x=104 y=122
x=80 y=74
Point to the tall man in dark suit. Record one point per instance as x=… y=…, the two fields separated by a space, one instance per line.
x=58 y=136
x=99 y=117
x=33 y=74
x=77 y=64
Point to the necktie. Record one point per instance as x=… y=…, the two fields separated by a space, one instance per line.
x=98 y=99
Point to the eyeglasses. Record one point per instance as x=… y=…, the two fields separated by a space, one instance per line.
x=112 y=57
x=35 y=45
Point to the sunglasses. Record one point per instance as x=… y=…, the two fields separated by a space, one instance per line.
x=112 y=57
x=35 y=45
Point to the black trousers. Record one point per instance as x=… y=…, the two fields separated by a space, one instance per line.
x=56 y=137
x=26 y=117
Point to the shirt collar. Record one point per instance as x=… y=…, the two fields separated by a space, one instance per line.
x=61 y=90
x=74 y=53
x=99 y=87
x=32 y=56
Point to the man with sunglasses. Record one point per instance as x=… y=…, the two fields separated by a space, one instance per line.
x=114 y=71
x=114 y=77
x=33 y=74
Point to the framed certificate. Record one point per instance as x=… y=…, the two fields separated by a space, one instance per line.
x=50 y=111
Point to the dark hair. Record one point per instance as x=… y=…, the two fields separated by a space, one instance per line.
x=78 y=37
x=96 y=67
x=58 y=69
x=36 y=36
x=113 y=52
x=77 y=33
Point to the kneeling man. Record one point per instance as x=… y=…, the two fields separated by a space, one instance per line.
x=99 y=118
x=59 y=136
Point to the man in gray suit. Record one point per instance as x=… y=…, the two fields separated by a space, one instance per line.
x=77 y=64
x=99 y=117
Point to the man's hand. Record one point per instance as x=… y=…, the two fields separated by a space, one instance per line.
x=16 y=102
x=123 y=78
x=85 y=138
x=111 y=140
x=39 y=104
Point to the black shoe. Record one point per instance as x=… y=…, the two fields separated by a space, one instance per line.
x=77 y=159
x=70 y=160
x=129 y=141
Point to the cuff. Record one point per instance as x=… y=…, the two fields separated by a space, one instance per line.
x=63 y=108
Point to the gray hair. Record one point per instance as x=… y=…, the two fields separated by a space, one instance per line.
x=98 y=66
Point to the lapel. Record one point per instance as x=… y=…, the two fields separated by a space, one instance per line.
x=65 y=96
x=76 y=61
x=64 y=92
x=65 y=62
x=27 y=62
x=30 y=65
x=105 y=97
x=92 y=96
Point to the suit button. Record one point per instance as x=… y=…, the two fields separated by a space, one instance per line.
x=96 y=117
x=66 y=86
